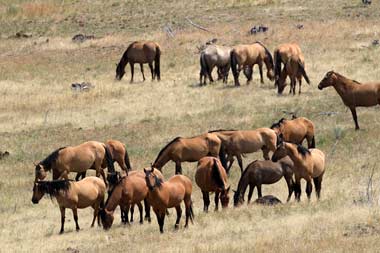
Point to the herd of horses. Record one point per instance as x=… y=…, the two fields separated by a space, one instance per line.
x=214 y=151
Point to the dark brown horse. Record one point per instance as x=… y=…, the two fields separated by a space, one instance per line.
x=140 y=52
x=264 y=172
x=353 y=93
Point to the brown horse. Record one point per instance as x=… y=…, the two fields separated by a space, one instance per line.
x=296 y=130
x=168 y=194
x=140 y=52
x=188 y=150
x=353 y=93
x=246 y=56
x=119 y=153
x=128 y=191
x=237 y=143
x=211 y=177
x=70 y=194
x=264 y=172
x=309 y=164
x=88 y=155
x=291 y=56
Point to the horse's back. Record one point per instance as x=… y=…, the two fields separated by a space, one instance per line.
x=142 y=51
x=181 y=183
x=134 y=186
x=318 y=161
x=89 y=190
x=265 y=171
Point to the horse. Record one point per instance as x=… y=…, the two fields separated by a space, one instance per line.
x=309 y=164
x=128 y=191
x=71 y=194
x=88 y=155
x=188 y=150
x=214 y=56
x=353 y=93
x=291 y=56
x=243 y=56
x=296 y=130
x=210 y=176
x=237 y=143
x=119 y=153
x=140 y=52
x=168 y=194
x=264 y=172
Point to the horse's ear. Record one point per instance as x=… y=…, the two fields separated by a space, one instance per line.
x=144 y=170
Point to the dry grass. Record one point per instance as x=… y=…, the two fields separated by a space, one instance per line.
x=39 y=112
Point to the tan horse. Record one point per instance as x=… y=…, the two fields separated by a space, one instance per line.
x=246 y=56
x=188 y=150
x=70 y=194
x=294 y=66
x=353 y=93
x=128 y=191
x=238 y=143
x=212 y=177
x=140 y=52
x=119 y=153
x=309 y=164
x=214 y=56
x=88 y=155
x=258 y=173
x=296 y=130
x=168 y=194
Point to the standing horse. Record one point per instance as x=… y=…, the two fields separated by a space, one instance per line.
x=309 y=164
x=238 y=143
x=188 y=150
x=353 y=93
x=168 y=194
x=88 y=155
x=140 y=52
x=296 y=130
x=70 y=194
x=246 y=56
x=214 y=56
x=119 y=153
x=291 y=56
x=211 y=177
x=264 y=172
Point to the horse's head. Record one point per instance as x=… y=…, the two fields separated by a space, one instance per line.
x=151 y=178
x=38 y=192
x=40 y=172
x=120 y=71
x=328 y=80
x=238 y=198
x=106 y=217
x=280 y=151
x=224 y=197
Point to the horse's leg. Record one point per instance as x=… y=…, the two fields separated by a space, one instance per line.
x=240 y=162
x=96 y=210
x=131 y=209
x=231 y=160
x=80 y=175
x=250 y=192
x=299 y=85
x=216 y=201
x=139 y=205
x=151 y=70
x=178 y=168
x=318 y=186
x=142 y=71
x=62 y=209
x=265 y=152
x=162 y=221
x=261 y=73
x=147 y=210
x=289 y=182
x=355 y=117
x=297 y=189
x=179 y=213
x=132 y=70
x=259 y=190
x=209 y=73
x=75 y=214
x=206 y=201
x=309 y=188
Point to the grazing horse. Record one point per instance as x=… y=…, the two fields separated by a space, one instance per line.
x=214 y=56
x=140 y=52
x=119 y=153
x=70 y=194
x=128 y=191
x=294 y=66
x=211 y=177
x=88 y=155
x=353 y=93
x=163 y=195
x=309 y=164
x=246 y=56
x=296 y=130
x=264 y=172
x=188 y=150
x=237 y=143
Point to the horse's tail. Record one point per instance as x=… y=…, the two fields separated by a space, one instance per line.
x=191 y=212
x=277 y=65
x=109 y=159
x=222 y=156
x=216 y=176
x=303 y=72
x=126 y=160
x=234 y=64
x=157 y=63
x=204 y=66
x=312 y=142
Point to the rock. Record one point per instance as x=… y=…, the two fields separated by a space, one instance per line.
x=299 y=26
x=80 y=38
x=3 y=154
x=375 y=43
x=269 y=200
x=21 y=35
x=84 y=86
x=259 y=29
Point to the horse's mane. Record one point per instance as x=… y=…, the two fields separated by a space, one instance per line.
x=278 y=124
x=345 y=78
x=166 y=146
x=158 y=181
x=267 y=52
x=221 y=130
x=47 y=162
x=52 y=188
x=216 y=176
x=302 y=150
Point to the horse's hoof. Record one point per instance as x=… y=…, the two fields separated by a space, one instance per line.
x=61 y=232
x=176 y=226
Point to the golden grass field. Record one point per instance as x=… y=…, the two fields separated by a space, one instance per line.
x=39 y=113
